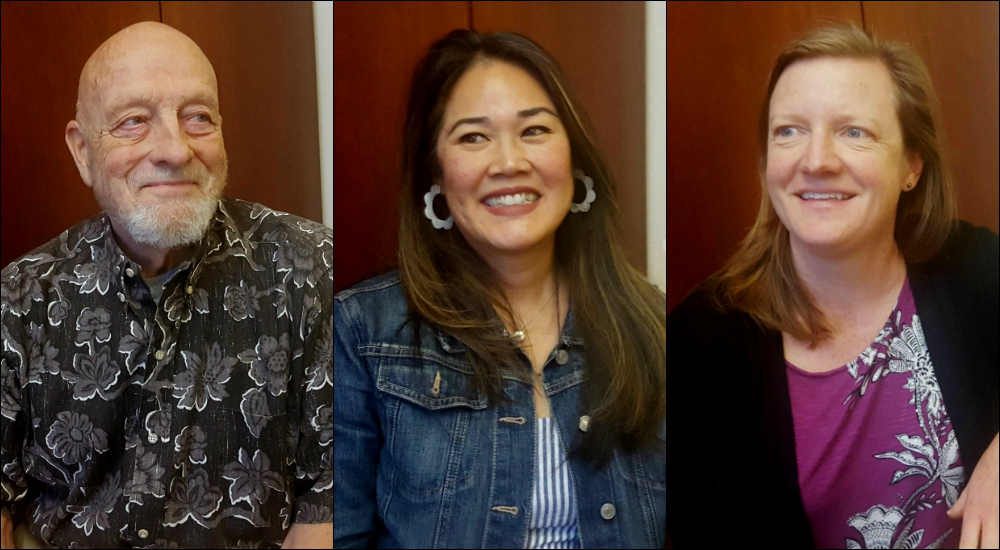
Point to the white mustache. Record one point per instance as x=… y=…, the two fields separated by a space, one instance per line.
x=149 y=182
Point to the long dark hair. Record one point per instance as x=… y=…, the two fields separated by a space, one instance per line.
x=618 y=313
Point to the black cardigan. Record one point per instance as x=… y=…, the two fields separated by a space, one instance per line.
x=733 y=477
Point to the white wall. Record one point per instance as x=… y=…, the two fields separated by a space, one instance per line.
x=656 y=142
x=323 y=29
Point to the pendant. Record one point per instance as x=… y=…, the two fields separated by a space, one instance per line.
x=519 y=335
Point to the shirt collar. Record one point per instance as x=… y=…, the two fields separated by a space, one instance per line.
x=125 y=269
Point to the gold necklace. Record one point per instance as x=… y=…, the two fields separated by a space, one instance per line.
x=519 y=334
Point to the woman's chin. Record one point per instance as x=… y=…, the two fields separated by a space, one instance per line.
x=821 y=239
x=512 y=243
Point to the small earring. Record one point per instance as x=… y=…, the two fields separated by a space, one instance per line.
x=591 y=195
x=429 y=210
x=909 y=184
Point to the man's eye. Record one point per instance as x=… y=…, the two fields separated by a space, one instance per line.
x=125 y=123
x=543 y=128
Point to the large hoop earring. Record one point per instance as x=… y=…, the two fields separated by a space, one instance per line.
x=590 y=197
x=429 y=210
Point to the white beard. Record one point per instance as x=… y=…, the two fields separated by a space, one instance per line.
x=169 y=224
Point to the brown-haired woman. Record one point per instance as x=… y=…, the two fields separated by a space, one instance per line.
x=852 y=340
x=504 y=388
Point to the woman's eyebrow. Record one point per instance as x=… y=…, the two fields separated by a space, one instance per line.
x=485 y=120
x=839 y=118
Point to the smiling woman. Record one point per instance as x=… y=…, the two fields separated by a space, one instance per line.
x=852 y=338
x=514 y=342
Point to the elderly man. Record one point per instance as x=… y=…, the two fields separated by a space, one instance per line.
x=167 y=364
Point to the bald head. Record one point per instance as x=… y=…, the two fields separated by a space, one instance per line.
x=129 y=56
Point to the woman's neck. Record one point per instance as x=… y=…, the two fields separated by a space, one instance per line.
x=847 y=286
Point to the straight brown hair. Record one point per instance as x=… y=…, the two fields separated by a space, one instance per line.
x=618 y=313
x=760 y=278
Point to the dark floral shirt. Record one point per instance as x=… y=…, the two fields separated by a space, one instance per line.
x=201 y=422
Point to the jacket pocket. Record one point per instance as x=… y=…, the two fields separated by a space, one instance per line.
x=430 y=410
x=648 y=466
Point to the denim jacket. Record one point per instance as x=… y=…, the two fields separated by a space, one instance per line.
x=421 y=461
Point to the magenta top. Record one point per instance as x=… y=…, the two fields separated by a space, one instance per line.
x=878 y=461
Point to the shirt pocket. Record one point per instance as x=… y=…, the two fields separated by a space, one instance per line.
x=430 y=412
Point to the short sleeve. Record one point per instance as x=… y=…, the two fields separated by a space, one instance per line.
x=13 y=483
x=314 y=458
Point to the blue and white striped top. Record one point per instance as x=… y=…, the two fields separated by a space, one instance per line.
x=554 y=521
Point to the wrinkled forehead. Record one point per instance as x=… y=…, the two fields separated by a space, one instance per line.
x=139 y=64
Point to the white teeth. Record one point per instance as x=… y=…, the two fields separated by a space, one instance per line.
x=513 y=200
x=838 y=196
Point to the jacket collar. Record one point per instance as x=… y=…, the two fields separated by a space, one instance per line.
x=451 y=344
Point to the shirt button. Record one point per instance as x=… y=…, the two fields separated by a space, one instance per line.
x=153 y=438
x=160 y=355
x=121 y=297
x=562 y=357
x=143 y=533
x=190 y=290
x=608 y=510
x=584 y=423
x=129 y=272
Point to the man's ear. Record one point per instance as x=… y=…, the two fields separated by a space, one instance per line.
x=79 y=150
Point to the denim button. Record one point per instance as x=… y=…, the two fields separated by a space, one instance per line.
x=129 y=272
x=584 y=423
x=153 y=438
x=608 y=510
x=562 y=357
x=143 y=533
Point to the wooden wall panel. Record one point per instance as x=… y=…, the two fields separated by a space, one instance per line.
x=264 y=55
x=719 y=56
x=376 y=46
x=960 y=43
x=264 y=58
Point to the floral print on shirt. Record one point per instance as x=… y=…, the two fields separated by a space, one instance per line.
x=921 y=454
x=204 y=422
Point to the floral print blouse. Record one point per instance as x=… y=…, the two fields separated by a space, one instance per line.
x=202 y=421
x=878 y=460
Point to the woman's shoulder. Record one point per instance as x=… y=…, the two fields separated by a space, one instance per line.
x=971 y=253
x=698 y=305
x=379 y=298
x=700 y=320
x=379 y=284
x=977 y=244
